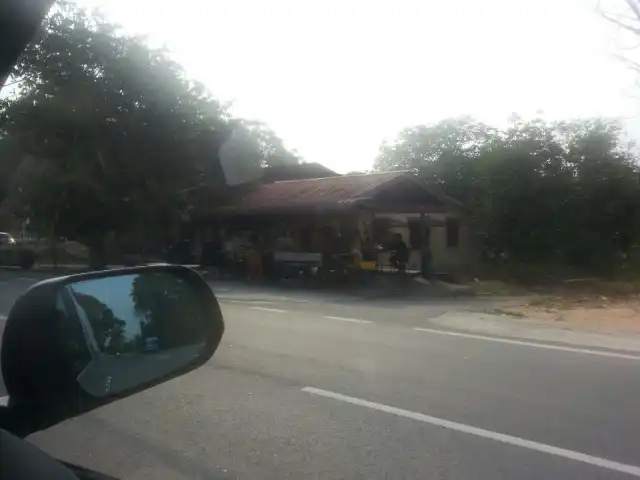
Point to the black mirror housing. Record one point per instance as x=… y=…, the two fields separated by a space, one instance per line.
x=131 y=339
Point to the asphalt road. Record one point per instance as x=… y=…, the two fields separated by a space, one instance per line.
x=305 y=388
x=112 y=375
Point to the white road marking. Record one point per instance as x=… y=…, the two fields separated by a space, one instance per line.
x=585 y=351
x=246 y=302
x=480 y=432
x=266 y=309
x=28 y=279
x=352 y=320
x=4 y=401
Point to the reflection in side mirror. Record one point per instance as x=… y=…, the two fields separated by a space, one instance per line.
x=127 y=330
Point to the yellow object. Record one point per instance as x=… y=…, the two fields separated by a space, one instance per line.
x=367 y=265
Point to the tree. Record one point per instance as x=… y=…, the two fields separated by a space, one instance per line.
x=36 y=188
x=10 y=158
x=629 y=21
x=541 y=192
x=171 y=310
x=269 y=145
x=120 y=131
x=422 y=144
x=122 y=127
x=109 y=330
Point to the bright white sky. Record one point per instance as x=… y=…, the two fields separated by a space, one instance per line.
x=334 y=78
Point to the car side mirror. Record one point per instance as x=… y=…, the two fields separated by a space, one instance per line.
x=72 y=344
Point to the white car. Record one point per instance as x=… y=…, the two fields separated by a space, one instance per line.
x=6 y=239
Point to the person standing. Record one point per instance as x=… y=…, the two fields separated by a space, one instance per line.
x=400 y=253
x=426 y=261
x=254 y=260
x=356 y=253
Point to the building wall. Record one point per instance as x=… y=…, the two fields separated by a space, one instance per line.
x=445 y=258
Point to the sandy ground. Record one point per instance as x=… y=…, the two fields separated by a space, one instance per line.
x=599 y=313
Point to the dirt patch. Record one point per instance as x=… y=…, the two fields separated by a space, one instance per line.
x=600 y=313
x=582 y=303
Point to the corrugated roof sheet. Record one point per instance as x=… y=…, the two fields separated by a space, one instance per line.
x=300 y=171
x=315 y=191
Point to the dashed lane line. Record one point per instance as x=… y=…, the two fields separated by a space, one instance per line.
x=245 y=302
x=523 y=343
x=267 y=309
x=481 y=432
x=339 y=319
x=350 y=320
x=508 y=341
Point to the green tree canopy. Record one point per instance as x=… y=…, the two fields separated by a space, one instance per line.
x=122 y=130
x=10 y=158
x=269 y=145
x=540 y=191
x=171 y=309
x=118 y=121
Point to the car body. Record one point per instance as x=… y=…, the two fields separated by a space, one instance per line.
x=14 y=254
x=7 y=239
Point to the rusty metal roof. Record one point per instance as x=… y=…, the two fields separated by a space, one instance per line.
x=314 y=192
x=330 y=193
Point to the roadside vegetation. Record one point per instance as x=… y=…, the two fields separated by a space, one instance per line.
x=102 y=137
x=100 y=134
x=550 y=200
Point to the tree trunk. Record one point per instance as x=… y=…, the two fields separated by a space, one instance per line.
x=54 y=251
x=54 y=240
x=97 y=254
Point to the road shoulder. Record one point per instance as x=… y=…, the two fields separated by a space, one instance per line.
x=534 y=329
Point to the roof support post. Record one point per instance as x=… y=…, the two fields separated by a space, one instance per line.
x=425 y=250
